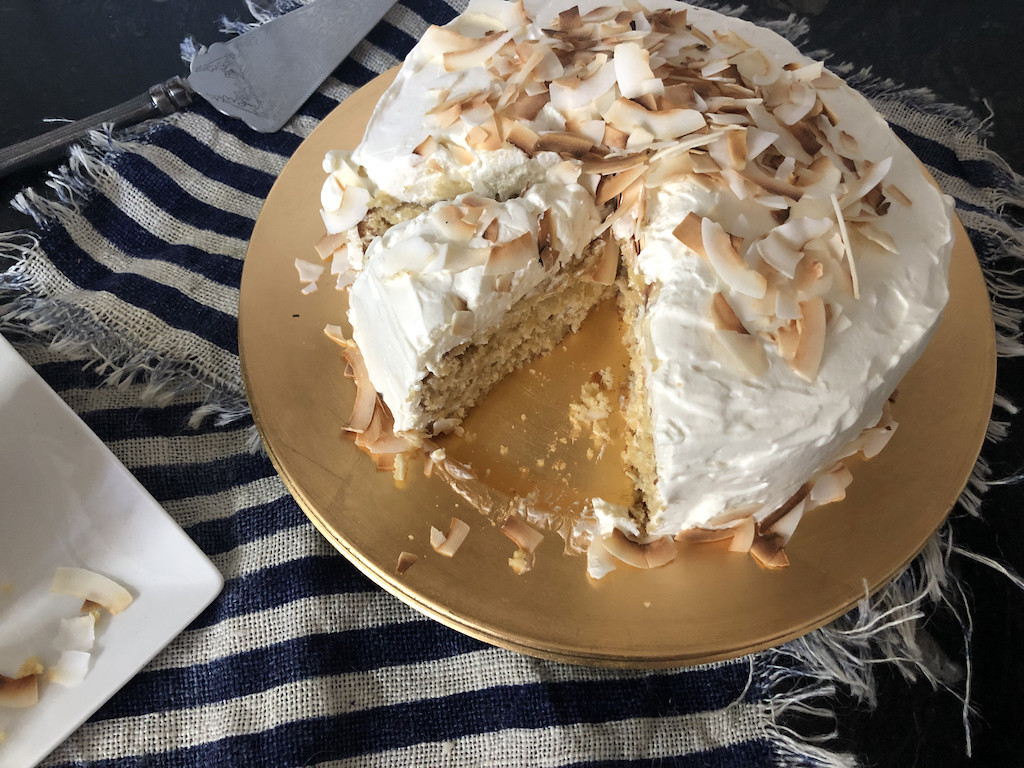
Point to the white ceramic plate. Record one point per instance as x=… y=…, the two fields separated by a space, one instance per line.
x=65 y=500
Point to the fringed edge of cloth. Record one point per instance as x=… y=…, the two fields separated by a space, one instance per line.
x=30 y=315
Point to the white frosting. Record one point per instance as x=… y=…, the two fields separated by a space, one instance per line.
x=724 y=438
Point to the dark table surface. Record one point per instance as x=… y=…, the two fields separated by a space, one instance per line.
x=70 y=58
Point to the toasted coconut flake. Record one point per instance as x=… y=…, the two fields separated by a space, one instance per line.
x=743 y=535
x=769 y=551
x=351 y=210
x=522 y=137
x=484 y=137
x=449 y=544
x=571 y=94
x=612 y=186
x=893 y=192
x=326 y=246
x=798 y=105
x=660 y=552
x=779 y=254
x=89 y=585
x=807 y=359
x=615 y=138
x=608 y=165
x=723 y=316
x=19 y=692
x=570 y=19
x=606 y=269
x=506 y=258
x=491 y=231
x=678 y=95
x=755 y=67
x=426 y=147
x=564 y=143
x=753 y=173
x=728 y=265
x=625 y=549
x=847 y=249
x=876 y=235
x=379 y=438
x=830 y=486
x=633 y=71
x=525 y=536
x=871 y=175
x=527 y=106
x=405 y=562
x=652 y=554
x=786 y=525
x=688 y=232
x=546 y=239
x=632 y=118
x=786 y=142
x=730 y=149
x=308 y=271
x=451 y=224
x=462 y=155
x=366 y=396
x=877 y=438
x=477 y=53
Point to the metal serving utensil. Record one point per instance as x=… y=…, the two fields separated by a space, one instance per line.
x=261 y=77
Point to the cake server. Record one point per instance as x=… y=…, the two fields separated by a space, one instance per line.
x=261 y=77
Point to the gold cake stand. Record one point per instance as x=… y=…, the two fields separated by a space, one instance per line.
x=708 y=604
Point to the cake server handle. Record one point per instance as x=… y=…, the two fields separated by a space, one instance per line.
x=161 y=99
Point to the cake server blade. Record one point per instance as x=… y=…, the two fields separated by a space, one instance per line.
x=265 y=75
x=261 y=77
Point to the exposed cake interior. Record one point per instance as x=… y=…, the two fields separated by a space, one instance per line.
x=533 y=326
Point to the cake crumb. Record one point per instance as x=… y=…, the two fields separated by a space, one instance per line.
x=447 y=747
x=519 y=562
x=647 y=603
x=593 y=409
x=503 y=450
x=522 y=417
x=401 y=469
x=540 y=463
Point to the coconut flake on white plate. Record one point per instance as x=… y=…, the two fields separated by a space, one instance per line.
x=91 y=586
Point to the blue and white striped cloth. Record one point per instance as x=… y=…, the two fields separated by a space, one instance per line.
x=134 y=266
